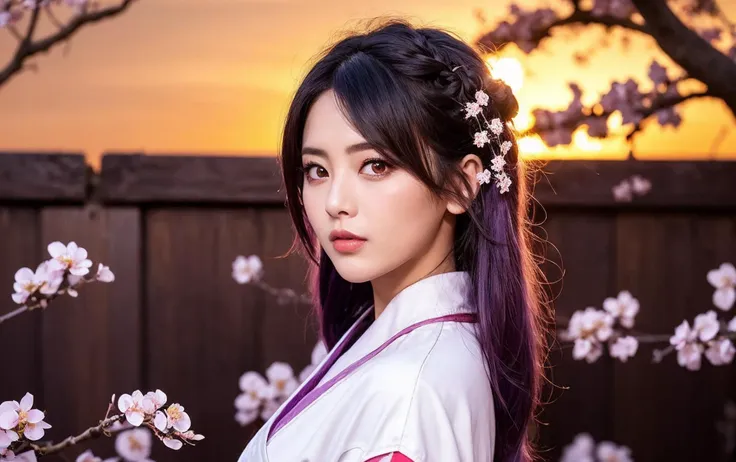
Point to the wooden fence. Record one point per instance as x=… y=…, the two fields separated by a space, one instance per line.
x=170 y=226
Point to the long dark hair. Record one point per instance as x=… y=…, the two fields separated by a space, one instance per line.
x=403 y=88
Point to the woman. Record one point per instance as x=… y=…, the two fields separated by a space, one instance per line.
x=403 y=182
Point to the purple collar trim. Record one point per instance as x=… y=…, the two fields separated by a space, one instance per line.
x=308 y=393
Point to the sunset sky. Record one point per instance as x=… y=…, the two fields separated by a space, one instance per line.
x=216 y=77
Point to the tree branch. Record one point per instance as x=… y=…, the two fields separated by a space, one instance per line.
x=577 y=17
x=693 y=53
x=28 y=47
x=664 y=102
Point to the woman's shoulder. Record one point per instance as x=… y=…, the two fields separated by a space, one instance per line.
x=445 y=361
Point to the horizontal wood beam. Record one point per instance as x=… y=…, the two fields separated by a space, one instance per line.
x=239 y=180
x=138 y=178
x=47 y=177
x=674 y=184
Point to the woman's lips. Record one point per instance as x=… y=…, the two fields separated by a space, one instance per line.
x=348 y=245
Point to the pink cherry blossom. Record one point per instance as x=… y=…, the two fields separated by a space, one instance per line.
x=724 y=280
x=247 y=269
x=640 y=185
x=721 y=352
x=22 y=415
x=611 y=452
x=624 y=308
x=104 y=274
x=481 y=138
x=172 y=443
x=136 y=407
x=134 y=444
x=624 y=348
x=622 y=192
x=71 y=257
x=281 y=378
x=706 y=326
x=177 y=418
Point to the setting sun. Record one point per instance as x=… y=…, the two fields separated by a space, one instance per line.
x=509 y=70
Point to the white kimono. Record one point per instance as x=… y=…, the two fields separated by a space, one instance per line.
x=414 y=383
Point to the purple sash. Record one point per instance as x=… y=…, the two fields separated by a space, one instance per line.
x=308 y=393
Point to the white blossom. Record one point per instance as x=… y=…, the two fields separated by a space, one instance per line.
x=624 y=348
x=624 y=308
x=104 y=274
x=496 y=126
x=247 y=269
x=497 y=163
x=481 y=98
x=158 y=398
x=281 y=379
x=610 y=452
x=481 y=138
x=134 y=444
x=689 y=356
x=172 y=443
x=622 y=192
x=135 y=407
x=640 y=185
x=505 y=147
x=720 y=352
x=732 y=325
x=44 y=280
x=724 y=280
x=580 y=450
x=503 y=182
x=178 y=418
x=706 y=326
x=71 y=257
x=22 y=415
x=587 y=349
x=484 y=176
x=472 y=109
x=7 y=437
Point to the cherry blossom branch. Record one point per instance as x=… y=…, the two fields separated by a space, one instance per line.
x=29 y=47
x=664 y=102
x=22 y=425
x=692 y=49
x=494 y=40
x=689 y=50
x=90 y=433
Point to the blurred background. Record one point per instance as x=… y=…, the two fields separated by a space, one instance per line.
x=146 y=131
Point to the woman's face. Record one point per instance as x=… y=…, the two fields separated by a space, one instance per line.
x=350 y=187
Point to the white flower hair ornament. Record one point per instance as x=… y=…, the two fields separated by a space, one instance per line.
x=495 y=126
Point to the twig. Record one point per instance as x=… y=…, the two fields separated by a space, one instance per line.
x=29 y=47
x=91 y=432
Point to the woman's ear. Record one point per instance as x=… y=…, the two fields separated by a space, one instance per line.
x=470 y=166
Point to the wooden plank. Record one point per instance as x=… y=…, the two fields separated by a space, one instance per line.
x=675 y=185
x=91 y=345
x=297 y=321
x=204 y=330
x=164 y=179
x=50 y=177
x=663 y=260
x=142 y=178
x=582 y=247
x=19 y=336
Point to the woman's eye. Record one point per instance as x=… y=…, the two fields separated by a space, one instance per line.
x=315 y=172
x=377 y=167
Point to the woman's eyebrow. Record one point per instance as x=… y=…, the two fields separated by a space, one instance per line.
x=363 y=146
